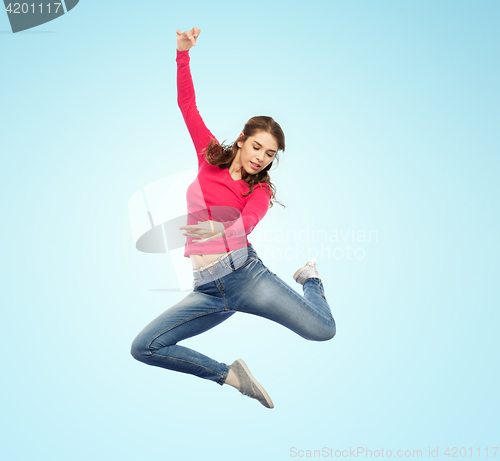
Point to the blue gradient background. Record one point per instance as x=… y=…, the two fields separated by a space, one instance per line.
x=391 y=114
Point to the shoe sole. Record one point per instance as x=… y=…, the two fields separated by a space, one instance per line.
x=261 y=389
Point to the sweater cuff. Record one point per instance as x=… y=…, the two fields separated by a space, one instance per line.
x=182 y=57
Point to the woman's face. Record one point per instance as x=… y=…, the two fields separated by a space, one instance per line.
x=258 y=150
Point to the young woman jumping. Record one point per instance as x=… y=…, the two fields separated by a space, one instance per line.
x=230 y=195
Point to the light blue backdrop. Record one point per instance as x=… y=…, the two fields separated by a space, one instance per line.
x=390 y=111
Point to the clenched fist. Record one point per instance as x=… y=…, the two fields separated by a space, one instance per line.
x=185 y=40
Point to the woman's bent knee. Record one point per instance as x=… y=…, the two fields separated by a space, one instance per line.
x=331 y=334
x=139 y=349
x=326 y=334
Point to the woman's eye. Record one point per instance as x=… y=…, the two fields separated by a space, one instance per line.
x=270 y=155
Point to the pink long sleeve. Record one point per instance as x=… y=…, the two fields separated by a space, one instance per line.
x=253 y=212
x=186 y=99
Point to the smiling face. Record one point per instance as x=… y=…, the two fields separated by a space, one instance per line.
x=257 y=151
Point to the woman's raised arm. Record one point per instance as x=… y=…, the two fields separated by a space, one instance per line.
x=200 y=134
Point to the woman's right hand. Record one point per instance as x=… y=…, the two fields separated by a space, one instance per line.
x=185 y=40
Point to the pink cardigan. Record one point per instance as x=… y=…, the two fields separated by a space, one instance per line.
x=215 y=195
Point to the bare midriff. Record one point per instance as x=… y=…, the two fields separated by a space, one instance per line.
x=201 y=261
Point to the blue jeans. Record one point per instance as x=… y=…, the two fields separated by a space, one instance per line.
x=237 y=282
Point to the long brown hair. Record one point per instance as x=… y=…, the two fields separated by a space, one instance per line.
x=223 y=155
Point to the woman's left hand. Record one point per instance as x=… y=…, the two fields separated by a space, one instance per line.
x=204 y=230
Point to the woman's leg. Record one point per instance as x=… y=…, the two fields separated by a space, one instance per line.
x=267 y=295
x=200 y=311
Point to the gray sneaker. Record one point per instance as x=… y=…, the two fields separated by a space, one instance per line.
x=309 y=270
x=249 y=385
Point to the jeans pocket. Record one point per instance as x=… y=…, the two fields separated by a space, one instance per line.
x=239 y=265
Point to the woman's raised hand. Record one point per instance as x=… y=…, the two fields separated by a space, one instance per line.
x=185 y=40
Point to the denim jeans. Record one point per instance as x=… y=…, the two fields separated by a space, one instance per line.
x=238 y=282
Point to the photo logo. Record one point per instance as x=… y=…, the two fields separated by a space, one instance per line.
x=158 y=210
x=24 y=16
